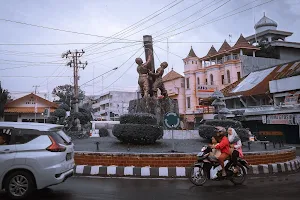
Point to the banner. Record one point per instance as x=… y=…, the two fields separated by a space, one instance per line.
x=281 y=119
x=291 y=100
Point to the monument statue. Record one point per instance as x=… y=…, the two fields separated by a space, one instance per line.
x=158 y=82
x=143 y=71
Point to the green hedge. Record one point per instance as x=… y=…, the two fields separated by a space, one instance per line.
x=206 y=131
x=103 y=132
x=138 y=118
x=137 y=133
x=224 y=123
x=243 y=134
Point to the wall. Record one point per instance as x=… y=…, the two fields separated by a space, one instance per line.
x=285 y=84
x=177 y=83
x=181 y=134
x=250 y=64
x=171 y=160
x=289 y=53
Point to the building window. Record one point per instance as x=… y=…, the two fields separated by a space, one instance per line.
x=206 y=81
x=182 y=83
x=196 y=62
x=188 y=100
x=187 y=83
x=192 y=62
x=222 y=78
x=198 y=80
x=239 y=75
x=211 y=79
x=228 y=76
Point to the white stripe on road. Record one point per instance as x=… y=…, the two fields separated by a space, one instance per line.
x=255 y=169
x=111 y=170
x=163 y=171
x=282 y=167
x=180 y=171
x=95 y=170
x=275 y=168
x=128 y=171
x=265 y=168
x=145 y=171
x=79 y=169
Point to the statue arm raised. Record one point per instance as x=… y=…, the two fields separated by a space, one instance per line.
x=149 y=58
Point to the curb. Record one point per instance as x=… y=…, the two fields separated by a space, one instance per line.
x=176 y=172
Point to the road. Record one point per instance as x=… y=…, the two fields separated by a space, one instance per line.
x=85 y=188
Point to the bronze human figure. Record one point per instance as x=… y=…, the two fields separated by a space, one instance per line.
x=158 y=84
x=143 y=71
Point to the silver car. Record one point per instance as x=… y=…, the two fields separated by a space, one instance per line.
x=33 y=156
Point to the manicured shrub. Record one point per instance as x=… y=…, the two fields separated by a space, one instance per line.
x=137 y=133
x=224 y=123
x=103 y=132
x=138 y=118
x=59 y=113
x=243 y=134
x=206 y=131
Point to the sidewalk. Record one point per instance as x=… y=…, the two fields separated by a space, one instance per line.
x=177 y=172
x=295 y=145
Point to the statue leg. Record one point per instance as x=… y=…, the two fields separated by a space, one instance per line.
x=163 y=90
x=146 y=87
x=155 y=87
x=141 y=84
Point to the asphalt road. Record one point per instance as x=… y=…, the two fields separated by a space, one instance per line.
x=85 y=188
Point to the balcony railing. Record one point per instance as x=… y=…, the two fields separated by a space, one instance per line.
x=205 y=109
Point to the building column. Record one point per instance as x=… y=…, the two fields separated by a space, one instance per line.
x=253 y=53
x=241 y=52
x=231 y=56
x=269 y=39
x=210 y=63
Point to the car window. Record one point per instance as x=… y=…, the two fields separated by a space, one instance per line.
x=23 y=136
x=58 y=138
x=5 y=136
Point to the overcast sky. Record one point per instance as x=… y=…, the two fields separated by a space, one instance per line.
x=107 y=17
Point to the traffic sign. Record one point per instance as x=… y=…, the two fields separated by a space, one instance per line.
x=171 y=120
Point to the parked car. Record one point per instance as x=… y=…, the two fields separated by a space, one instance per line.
x=33 y=156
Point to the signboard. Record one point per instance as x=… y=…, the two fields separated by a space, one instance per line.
x=171 y=120
x=264 y=119
x=280 y=119
x=297 y=119
x=291 y=100
x=273 y=133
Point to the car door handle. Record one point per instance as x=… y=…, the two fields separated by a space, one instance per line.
x=5 y=151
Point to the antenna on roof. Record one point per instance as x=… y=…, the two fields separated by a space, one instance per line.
x=230 y=36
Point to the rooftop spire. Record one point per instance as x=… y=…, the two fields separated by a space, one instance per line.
x=192 y=53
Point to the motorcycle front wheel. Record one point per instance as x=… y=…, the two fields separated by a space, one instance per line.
x=240 y=177
x=197 y=175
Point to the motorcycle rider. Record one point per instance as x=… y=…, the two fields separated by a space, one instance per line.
x=215 y=152
x=236 y=147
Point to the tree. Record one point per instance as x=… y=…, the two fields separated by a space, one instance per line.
x=267 y=51
x=66 y=93
x=4 y=96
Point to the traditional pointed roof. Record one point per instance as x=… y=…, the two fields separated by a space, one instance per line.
x=243 y=43
x=31 y=95
x=192 y=53
x=225 y=47
x=172 y=75
x=212 y=51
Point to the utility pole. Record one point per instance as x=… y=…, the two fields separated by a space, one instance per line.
x=76 y=64
x=35 y=102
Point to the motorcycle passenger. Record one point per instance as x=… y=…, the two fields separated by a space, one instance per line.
x=223 y=146
x=236 y=147
x=215 y=152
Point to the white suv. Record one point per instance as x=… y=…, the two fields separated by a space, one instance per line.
x=33 y=156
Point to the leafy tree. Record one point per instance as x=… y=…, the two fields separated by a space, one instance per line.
x=60 y=113
x=64 y=106
x=267 y=51
x=66 y=93
x=4 y=97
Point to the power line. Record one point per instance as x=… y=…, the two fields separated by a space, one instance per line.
x=22 y=61
x=116 y=67
x=34 y=76
x=169 y=52
x=62 y=30
x=197 y=18
x=121 y=75
x=167 y=18
x=121 y=32
x=217 y=19
x=198 y=11
x=59 y=44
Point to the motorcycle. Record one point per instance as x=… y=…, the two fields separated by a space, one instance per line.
x=208 y=168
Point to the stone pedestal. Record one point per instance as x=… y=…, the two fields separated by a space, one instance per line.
x=157 y=107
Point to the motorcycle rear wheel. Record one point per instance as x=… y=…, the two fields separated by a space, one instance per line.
x=240 y=177
x=197 y=175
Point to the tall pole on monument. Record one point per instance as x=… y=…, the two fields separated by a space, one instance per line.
x=148 y=45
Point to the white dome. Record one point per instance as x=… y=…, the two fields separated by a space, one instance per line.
x=265 y=23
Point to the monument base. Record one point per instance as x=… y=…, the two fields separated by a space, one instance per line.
x=157 y=107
